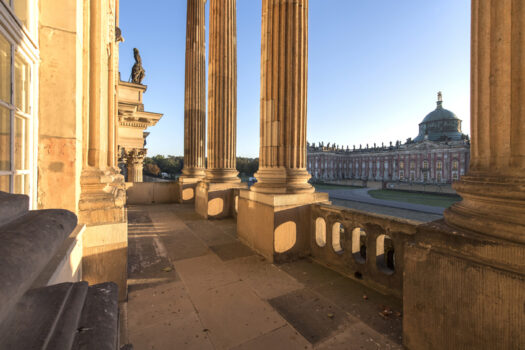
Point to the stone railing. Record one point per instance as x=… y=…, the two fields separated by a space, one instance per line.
x=364 y=246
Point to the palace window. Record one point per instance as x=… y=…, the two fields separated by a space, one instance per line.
x=401 y=165
x=401 y=175
x=455 y=165
x=425 y=164
x=455 y=176
x=439 y=165
x=412 y=165
x=17 y=69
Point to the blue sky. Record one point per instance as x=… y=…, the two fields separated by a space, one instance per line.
x=375 y=67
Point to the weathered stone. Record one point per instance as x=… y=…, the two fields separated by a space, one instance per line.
x=28 y=243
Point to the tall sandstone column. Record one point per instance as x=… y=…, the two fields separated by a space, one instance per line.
x=274 y=217
x=214 y=197
x=195 y=92
x=222 y=93
x=284 y=73
x=464 y=279
x=494 y=189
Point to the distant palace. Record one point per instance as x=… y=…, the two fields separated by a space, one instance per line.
x=438 y=155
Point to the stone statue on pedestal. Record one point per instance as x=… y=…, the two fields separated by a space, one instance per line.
x=137 y=72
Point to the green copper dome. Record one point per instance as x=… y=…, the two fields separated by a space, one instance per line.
x=440 y=125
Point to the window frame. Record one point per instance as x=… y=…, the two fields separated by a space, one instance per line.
x=22 y=45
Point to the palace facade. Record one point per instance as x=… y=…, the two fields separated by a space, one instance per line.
x=438 y=155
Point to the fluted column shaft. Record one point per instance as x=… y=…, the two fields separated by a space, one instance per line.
x=284 y=72
x=135 y=162
x=222 y=92
x=195 y=91
x=494 y=189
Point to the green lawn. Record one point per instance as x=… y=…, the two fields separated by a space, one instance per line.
x=333 y=187
x=435 y=200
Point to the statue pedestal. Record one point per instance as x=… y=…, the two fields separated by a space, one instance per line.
x=216 y=200
x=277 y=226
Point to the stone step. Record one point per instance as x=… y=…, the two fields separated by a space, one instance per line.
x=98 y=327
x=64 y=316
x=12 y=206
x=28 y=244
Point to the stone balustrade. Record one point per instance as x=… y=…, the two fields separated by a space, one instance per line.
x=361 y=245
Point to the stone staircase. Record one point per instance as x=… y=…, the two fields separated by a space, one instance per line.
x=62 y=316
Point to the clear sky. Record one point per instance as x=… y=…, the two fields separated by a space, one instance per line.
x=375 y=67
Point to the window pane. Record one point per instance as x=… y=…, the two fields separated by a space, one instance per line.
x=5 y=139
x=22 y=11
x=21 y=184
x=4 y=183
x=19 y=143
x=5 y=70
x=22 y=83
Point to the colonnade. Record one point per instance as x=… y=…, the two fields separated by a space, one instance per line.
x=284 y=69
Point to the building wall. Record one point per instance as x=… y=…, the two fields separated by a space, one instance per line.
x=427 y=162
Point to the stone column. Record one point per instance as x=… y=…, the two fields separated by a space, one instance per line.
x=214 y=196
x=464 y=279
x=493 y=190
x=135 y=162
x=195 y=92
x=274 y=216
x=222 y=93
x=284 y=74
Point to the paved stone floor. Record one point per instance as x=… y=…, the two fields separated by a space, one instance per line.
x=193 y=285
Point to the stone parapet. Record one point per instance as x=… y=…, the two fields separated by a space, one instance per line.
x=463 y=290
x=363 y=246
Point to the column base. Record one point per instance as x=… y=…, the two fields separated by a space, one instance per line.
x=216 y=200
x=105 y=240
x=282 y=181
x=277 y=226
x=105 y=256
x=462 y=290
x=494 y=206
x=185 y=189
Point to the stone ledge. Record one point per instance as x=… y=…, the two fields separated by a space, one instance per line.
x=12 y=206
x=285 y=200
x=28 y=244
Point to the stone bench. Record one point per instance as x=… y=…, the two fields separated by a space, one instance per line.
x=69 y=315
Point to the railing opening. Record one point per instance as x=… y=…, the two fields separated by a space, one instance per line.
x=385 y=254
x=320 y=232
x=359 y=245
x=338 y=234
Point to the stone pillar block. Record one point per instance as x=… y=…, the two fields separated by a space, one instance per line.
x=186 y=187
x=277 y=226
x=216 y=200
x=463 y=290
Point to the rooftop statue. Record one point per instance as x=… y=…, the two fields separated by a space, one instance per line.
x=137 y=72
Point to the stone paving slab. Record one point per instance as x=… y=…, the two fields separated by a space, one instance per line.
x=283 y=338
x=230 y=251
x=234 y=314
x=194 y=286
x=315 y=317
x=267 y=280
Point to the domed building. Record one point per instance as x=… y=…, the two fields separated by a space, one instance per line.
x=440 y=125
x=429 y=162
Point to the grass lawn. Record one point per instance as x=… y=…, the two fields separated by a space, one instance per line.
x=435 y=200
x=333 y=187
